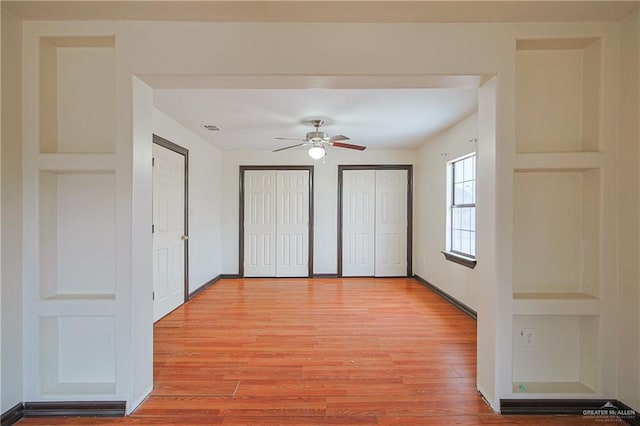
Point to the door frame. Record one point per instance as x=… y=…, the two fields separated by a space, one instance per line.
x=158 y=140
x=241 y=215
x=409 y=169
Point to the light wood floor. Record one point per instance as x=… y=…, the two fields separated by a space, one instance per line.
x=316 y=352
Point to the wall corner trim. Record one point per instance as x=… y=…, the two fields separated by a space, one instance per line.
x=75 y=409
x=63 y=409
x=455 y=302
x=592 y=409
x=204 y=286
x=13 y=415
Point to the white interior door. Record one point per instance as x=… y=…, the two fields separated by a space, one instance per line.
x=391 y=223
x=259 y=223
x=168 y=230
x=358 y=225
x=292 y=228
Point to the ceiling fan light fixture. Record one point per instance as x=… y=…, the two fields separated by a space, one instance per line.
x=317 y=152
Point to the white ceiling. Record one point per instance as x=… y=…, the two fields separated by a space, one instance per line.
x=325 y=11
x=250 y=119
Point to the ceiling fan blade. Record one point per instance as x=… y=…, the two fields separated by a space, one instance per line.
x=289 y=147
x=349 y=146
x=291 y=139
x=337 y=138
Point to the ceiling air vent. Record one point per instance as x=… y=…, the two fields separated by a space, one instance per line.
x=211 y=127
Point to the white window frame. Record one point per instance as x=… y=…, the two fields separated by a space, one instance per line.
x=458 y=256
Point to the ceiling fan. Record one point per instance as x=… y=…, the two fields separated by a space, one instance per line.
x=319 y=142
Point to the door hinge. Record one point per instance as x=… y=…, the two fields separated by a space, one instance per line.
x=153 y=295
x=153 y=161
x=153 y=229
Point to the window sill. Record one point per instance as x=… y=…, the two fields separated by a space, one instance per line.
x=459 y=259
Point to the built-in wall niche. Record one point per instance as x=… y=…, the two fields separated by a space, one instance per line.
x=555 y=354
x=558 y=95
x=77 y=95
x=556 y=231
x=77 y=355
x=77 y=235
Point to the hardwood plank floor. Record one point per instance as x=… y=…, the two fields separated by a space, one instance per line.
x=316 y=352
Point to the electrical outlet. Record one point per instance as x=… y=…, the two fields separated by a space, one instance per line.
x=528 y=336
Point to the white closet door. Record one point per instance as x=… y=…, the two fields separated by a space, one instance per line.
x=292 y=228
x=168 y=225
x=358 y=225
x=259 y=223
x=391 y=223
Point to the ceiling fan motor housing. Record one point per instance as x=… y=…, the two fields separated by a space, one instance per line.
x=317 y=136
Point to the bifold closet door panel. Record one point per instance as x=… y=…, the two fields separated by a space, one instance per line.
x=292 y=226
x=391 y=223
x=358 y=222
x=260 y=223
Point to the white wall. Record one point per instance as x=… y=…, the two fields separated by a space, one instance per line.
x=11 y=212
x=1 y=403
x=302 y=49
x=85 y=77
x=135 y=378
x=628 y=214
x=205 y=199
x=493 y=180
x=325 y=244
x=430 y=211
x=84 y=241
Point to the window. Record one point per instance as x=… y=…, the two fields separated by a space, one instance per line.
x=461 y=206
